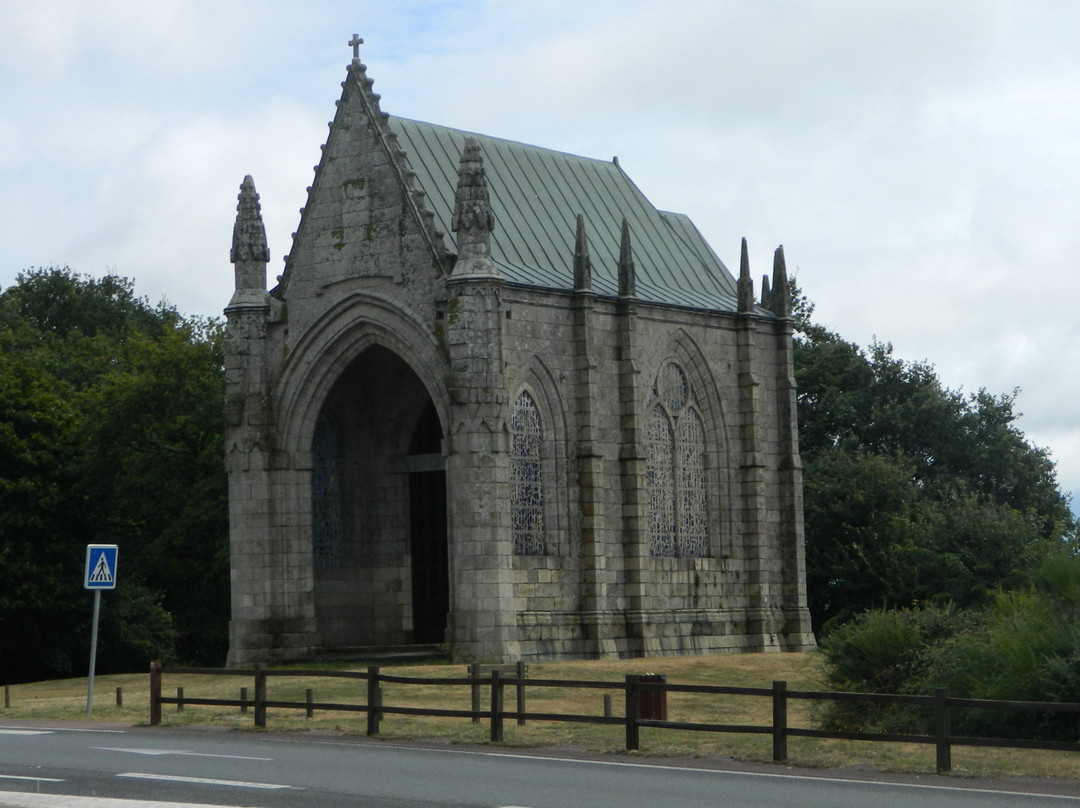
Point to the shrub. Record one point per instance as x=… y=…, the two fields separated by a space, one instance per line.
x=882 y=652
x=1023 y=647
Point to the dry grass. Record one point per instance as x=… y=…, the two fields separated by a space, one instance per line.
x=66 y=700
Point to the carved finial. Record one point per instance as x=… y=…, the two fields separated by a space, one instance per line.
x=627 y=279
x=582 y=264
x=745 y=285
x=472 y=207
x=473 y=219
x=781 y=305
x=249 y=252
x=766 y=293
x=249 y=234
x=356 y=42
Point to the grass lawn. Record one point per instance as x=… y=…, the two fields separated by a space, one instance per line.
x=66 y=700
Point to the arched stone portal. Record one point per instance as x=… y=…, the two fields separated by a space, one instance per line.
x=379 y=509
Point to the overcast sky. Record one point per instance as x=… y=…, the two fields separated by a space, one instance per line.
x=920 y=161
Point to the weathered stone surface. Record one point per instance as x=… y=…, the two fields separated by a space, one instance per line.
x=380 y=475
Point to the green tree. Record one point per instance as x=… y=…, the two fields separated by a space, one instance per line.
x=110 y=432
x=913 y=492
x=57 y=302
x=155 y=475
x=38 y=551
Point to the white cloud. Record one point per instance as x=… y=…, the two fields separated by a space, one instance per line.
x=919 y=161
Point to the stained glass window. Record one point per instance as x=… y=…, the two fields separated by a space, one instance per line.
x=693 y=525
x=526 y=478
x=672 y=387
x=326 y=495
x=660 y=475
x=675 y=469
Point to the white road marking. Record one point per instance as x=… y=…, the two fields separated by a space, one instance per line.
x=155 y=752
x=204 y=780
x=25 y=732
x=31 y=779
x=69 y=729
x=23 y=799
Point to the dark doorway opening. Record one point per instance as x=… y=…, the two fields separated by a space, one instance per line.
x=427 y=527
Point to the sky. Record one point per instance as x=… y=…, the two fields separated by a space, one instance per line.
x=918 y=160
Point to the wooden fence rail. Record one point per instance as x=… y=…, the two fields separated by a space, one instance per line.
x=645 y=699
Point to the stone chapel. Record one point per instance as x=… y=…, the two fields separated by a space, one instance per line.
x=499 y=404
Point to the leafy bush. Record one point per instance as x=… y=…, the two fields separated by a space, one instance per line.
x=883 y=651
x=1024 y=647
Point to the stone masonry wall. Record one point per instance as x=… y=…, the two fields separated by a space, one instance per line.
x=368 y=298
x=691 y=605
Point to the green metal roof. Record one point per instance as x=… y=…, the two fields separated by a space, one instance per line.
x=536 y=196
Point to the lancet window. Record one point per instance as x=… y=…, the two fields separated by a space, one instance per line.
x=660 y=441
x=526 y=477
x=326 y=507
x=675 y=469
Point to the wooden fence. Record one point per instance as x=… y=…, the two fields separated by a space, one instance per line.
x=644 y=697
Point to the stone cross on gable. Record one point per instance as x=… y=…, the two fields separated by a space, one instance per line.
x=356 y=42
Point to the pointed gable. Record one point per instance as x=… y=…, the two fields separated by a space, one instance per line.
x=376 y=167
x=364 y=215
x=536 y=195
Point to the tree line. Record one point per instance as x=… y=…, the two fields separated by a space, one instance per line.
x=111 y=431
x=940 y=550
x=914 y=493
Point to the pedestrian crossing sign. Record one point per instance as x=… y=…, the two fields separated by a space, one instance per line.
x=100 y=567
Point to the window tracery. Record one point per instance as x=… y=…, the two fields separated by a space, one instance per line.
x=661 y=483
x=526 y=477
x=693 y=527
x=675 y=469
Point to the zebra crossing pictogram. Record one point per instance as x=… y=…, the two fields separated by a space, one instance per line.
x=100 y=566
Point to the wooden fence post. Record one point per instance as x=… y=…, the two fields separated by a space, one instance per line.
x=155 y=693
x=374 y=701
x=243 y=700
x=260 y=694
x=119 y=697
x=7 y=696
x=474 y=675
x=496 y=706
x=179 y=699
x=779 y=721
x=309 y=696
x=521 y=693
x=943 y=726
x=633 y=740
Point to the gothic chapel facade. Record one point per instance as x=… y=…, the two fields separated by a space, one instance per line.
x=499 y=403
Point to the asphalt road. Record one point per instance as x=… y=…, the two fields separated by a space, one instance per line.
x=39 y=764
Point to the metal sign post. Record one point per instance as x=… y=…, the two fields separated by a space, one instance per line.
x=100 y=574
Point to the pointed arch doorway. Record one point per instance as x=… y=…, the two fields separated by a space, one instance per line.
x=427 y=530
x=379 y=526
